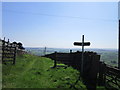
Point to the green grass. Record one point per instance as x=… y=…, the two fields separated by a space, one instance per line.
x=36 y=72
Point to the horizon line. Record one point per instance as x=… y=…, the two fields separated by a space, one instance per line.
x=69 y=48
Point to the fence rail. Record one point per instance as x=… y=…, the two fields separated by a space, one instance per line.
x=109 y=76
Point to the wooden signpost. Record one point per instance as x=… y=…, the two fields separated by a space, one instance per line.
x=82 y=44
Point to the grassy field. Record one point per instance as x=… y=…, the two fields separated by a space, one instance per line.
x=36 y=72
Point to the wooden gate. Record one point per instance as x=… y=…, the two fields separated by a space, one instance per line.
x=8 y=52
x=109 y=77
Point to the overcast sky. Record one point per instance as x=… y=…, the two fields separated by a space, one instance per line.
x=58 y=25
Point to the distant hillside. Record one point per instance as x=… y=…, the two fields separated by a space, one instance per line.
x=109 y=56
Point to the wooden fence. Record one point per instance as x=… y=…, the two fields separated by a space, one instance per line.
x=90 y=65
x=109 y=76
x=8 y=52
x=95 y=72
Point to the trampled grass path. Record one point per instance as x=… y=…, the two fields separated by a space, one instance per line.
x=36 y=72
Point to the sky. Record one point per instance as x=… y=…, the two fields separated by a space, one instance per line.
x=60 y=24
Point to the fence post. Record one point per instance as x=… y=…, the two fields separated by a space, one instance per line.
x=3 y=47
x=55 y=61
x=14 y=59
x=102 y=70
x=7 y=44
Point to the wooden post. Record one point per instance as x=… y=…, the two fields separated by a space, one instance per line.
x=45 y=51
x=102 y=70
x=82 y=60
x=55 y=61
x=82 y=55
x=14 y=59
x=3 y=47
x=8 y=43
x=4 y=38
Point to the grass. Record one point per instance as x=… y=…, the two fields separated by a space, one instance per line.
x=36 y=72
x=111 y=84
